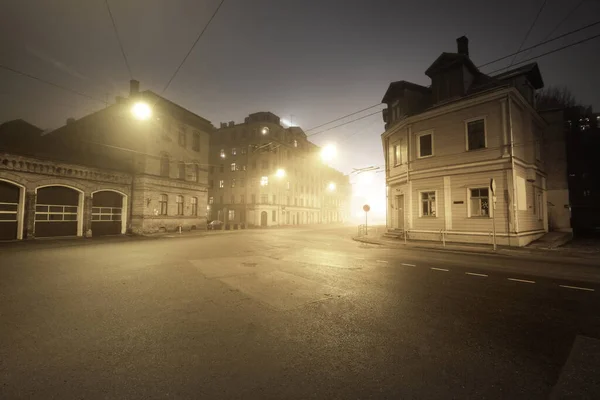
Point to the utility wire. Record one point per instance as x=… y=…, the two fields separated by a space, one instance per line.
x=340 y=118
x=192 y=48
x=112 y=19
x=552 y=51
x=51 y=83
x=540 y=44
x=528 y=31
x=345 y=123
x=566 y=17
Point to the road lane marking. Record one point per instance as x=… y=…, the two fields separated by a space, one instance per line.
x=409 y=265
x=475 y=274
x=520 y=280
x=382 y=261
x=440 y=269
x=577 y=288
x=360 y=258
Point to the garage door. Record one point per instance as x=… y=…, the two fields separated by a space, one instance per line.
x=9 y=205
x=56 y=211
x=107 y=209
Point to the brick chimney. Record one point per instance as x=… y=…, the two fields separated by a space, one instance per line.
x=462 y=43
x=134 y=87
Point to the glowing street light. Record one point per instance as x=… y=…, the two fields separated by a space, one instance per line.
x=141 y=111
x=328 y=152
x=280 y=173
x=331 y=186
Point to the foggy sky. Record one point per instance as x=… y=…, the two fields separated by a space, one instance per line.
x=313 y=59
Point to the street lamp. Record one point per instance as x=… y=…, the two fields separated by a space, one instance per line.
x=141 y=110
x=328 y=152
x=280 y=173
x=331 y=186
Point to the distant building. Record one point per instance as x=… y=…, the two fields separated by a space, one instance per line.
x=107 y=173
x=263 y=174
x=444 y=144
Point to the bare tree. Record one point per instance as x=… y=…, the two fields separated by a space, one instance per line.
x=556 y=97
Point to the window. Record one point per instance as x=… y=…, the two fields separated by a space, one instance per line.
x=211 y=200
x=182 y=136
x=242 y=182
x=288 y=200
x=163 y=204
x=264 y=164
x=231 y=215
x=232 y=199
x=295 y=143
x=243 y=150
x=196 y=141
x=428 y=207
x=221 y=167
x=222 y=153
x=274 y=199
x=221 y=183
x=211 y=184
x=287 y=185
x=57 y=213
x=253 y=199
x=164 y=166
x=220 y=199
x=194 y=175
x=233 y=166
x=425 y=145
x=273 y=215
x=194 y=203
x=479 y=202
x=243 y=167
x=233 y=151
x=179 y=201
x=476 y=134
x=181 y=168
x=98 y=213
x=233 y=135
x=264 y=198
x=264 y=181
x=233 y=183
x=254 y=164
x=242 y=199
x=397 y=155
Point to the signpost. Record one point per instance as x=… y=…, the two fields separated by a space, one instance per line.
x=493 y=210
x=366 y=209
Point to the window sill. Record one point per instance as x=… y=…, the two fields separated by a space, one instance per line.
x=427 y=216
x=479 y=217
x=421 y=157
x=479 y=149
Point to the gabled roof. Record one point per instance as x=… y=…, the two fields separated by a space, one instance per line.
x=397 y=87
x=447 y=60
x=531 y=71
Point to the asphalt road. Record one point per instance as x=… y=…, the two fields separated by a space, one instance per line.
x=288 y=314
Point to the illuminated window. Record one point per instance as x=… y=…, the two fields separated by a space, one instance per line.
x=231 y=215
x=295 y=143
x=194 y=203
x=233 y=166
x=264 y=181
x=222 y=153
x=221 y=183
x=233 y=151
x=479 y=202
x=428 y=205
x=179 y=201
x=243 y=150
x=211 y=200
x=233 y=183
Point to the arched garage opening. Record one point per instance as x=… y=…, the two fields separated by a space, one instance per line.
x=57 y=212
x=11 y=216
x=108 y=213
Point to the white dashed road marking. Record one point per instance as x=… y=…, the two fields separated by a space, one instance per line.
x=439 y=269
x=476 y=274
x=409 y=265
x=577 y=288
x=520 y=280
x=382 y=261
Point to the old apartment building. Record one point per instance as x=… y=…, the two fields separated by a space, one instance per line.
x=107 y=173
x=444 y=144
x=264 y=174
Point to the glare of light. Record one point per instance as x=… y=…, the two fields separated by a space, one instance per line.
x=331 y=186
x=328 y=152
x=264 y=130
x=141 y=111
x=280 y=173
x=285 y=122
x=264 y=181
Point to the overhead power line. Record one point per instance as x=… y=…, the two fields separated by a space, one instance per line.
x=540 y=44
x=112 y=19
x=345 y=123
x=340 y=118
x=193 y=45
x=562 y=21
x=56 y=85
x=552 y=51
x=529 y=31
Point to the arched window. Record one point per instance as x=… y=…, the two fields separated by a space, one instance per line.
x=164 y=204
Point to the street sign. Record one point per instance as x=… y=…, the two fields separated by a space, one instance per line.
x=366 y=208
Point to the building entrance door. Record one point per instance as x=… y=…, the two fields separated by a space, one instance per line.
x=263 y=218
x=400 y=212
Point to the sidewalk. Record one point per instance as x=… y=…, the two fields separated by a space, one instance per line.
x=558 y=255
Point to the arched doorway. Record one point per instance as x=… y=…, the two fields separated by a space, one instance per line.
x=107 y=213
x=263 y=218
x=9 y=210
x=57 y=211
